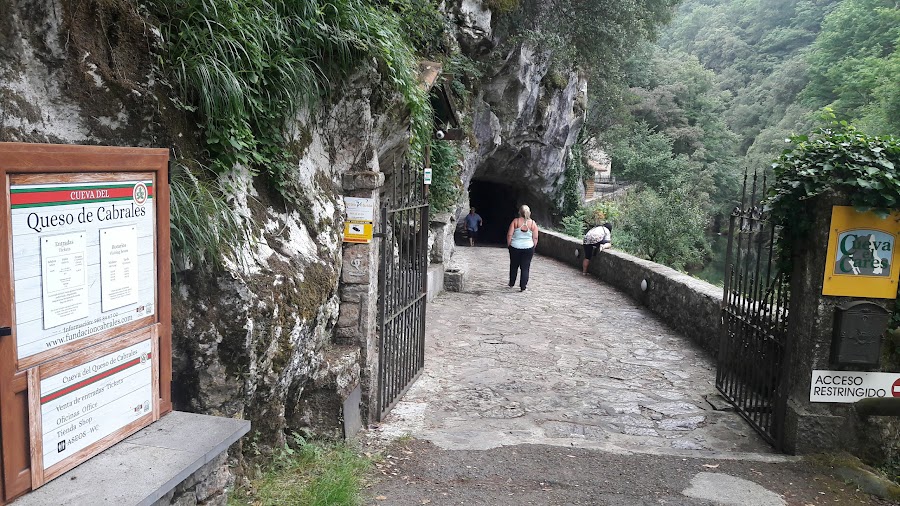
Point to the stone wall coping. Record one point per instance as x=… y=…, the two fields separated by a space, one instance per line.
x=690 y=305
x=145 y=466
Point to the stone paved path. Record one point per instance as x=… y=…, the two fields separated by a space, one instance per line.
x=570 y=362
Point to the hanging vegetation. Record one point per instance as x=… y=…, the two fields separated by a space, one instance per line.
x=245 y=67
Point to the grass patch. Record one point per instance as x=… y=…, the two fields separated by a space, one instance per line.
x=203 y=228
x=309 y=474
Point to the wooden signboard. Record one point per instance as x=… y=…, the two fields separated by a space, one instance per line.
x=88 y=401
x=83 y=260
x=84 y=294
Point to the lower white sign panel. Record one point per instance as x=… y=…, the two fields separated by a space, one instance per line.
x=84 y=404
x=851 y=386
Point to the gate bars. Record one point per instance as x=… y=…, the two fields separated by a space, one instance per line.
x=402 y=277
x=754 y=342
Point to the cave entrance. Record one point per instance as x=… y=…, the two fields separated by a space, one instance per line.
x=497 y=205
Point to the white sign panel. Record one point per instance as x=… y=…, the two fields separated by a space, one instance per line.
x=40 y=215
x=63 y=266
x=84 y=404
x=118 y=267
x=427 y=175
x=360 y=209
x=851 y=386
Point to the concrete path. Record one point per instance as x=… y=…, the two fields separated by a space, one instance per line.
x=569 y=362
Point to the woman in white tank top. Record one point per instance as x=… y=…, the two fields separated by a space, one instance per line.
x=521 y=239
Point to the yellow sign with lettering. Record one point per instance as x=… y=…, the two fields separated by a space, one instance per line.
x=861 y=260
x=357 y=231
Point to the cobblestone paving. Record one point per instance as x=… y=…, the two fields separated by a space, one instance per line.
x=569 y=362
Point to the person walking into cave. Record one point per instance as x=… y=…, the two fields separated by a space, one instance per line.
x=473 y=224
x=596 y=240
x=521 y=240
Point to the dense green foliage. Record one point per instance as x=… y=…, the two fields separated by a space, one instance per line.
x=756 y=49
x=781 y=61
x=730 y=80
x=246 y=67
x=446 y=186
x=670 y=139
x=667 y=228
x=839 y=159
x=854 y=65
x=574 y=224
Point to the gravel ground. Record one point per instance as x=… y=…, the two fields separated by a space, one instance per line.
x=417 y=473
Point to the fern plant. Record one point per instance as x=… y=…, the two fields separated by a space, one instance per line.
x=244 y=67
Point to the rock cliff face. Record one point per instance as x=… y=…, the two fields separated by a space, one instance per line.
x=255 y=341
x=258 y=340
x=525 y=120
x=526 y=115
x=78 y=72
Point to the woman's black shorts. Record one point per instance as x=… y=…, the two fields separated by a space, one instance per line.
x=590 y=249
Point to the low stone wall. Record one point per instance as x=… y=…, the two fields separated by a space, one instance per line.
x=689 y=305
x=207 y=486
x=435 y=281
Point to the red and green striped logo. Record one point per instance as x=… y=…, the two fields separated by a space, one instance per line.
x=23 y=197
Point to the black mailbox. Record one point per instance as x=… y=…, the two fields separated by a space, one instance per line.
x=858 y=327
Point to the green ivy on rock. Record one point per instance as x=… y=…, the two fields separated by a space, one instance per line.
x=839 y=159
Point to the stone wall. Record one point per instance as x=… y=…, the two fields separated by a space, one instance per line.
x=814 y=427
x=207 y=486
x=689 y=305
x=692 y=307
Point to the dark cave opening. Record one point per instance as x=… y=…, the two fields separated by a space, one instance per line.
x=497 y=204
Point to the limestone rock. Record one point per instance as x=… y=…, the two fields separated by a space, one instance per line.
x=525 y=121
x=473 y=19
x=78 y=74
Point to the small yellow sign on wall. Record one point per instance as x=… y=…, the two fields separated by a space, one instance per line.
x=861 y=260
x=357 y=232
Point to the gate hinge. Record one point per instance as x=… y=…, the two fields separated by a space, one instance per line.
x=5 y=331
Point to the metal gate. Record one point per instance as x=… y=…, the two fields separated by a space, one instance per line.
x=402 y=277
x=754 y=343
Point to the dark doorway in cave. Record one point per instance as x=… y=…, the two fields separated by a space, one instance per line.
x=496 y=203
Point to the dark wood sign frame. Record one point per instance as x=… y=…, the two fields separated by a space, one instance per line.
x=70 y=164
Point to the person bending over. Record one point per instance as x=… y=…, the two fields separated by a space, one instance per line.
x=596 y=240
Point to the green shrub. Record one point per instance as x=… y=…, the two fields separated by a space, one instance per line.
x=446 y=186
x=668 y=228
x=601 y=211
x=573 y=225
x=311 y=474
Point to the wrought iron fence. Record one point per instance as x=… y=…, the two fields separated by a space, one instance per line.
x=402 y=286
x=754 y=342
